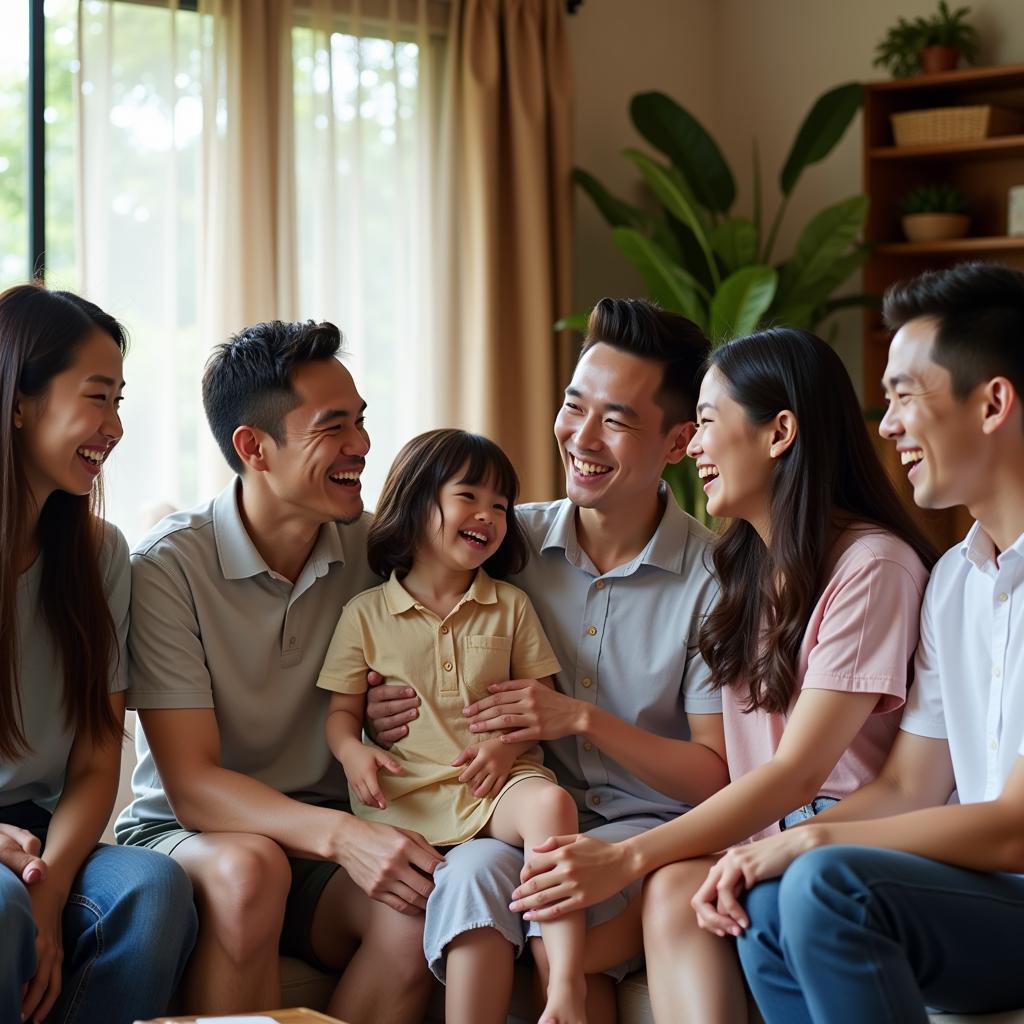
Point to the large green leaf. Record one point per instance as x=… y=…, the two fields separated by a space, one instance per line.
x=675 y=195
x=573 y=322
x=669 y=285
x=741 y=301
x=683 y=139
x=823 y=127
x=824 y=242
x=735 y=241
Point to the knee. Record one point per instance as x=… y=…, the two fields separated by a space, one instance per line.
x=667 y=892
x=555 y=808
x=817 y=885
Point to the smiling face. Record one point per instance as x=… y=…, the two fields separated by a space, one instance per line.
x=68 y=432
x=936 y=434
x=466 y=526
x=733 y=455
x=316 y=469
x=610 y=430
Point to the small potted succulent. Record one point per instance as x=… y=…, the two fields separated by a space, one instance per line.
x=931 y=44
x=932 y=213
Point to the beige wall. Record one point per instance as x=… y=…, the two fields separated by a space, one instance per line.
x=746 y=68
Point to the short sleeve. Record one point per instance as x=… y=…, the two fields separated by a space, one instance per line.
x=700 y=697
x=117 y=586
x=532 y=656
x=166 y=660
x=924 y=714
x=344 y=669
x=867 y=634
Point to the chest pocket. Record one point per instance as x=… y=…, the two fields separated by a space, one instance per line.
x=486 y=660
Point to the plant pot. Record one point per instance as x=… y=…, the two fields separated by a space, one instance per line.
x=939 y=58
x=935 y=227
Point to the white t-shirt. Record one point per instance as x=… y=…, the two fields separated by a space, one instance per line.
x=969 y=670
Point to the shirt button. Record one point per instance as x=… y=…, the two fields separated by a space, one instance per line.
x=587 y=682
x=588 y=746
x=595 y=799
x=997 y=671
x=1004 y=597
x=599 y=584
x=592 y=630
x=992 y=744
x=444 y=629
x=447 y=666
x=291 y=641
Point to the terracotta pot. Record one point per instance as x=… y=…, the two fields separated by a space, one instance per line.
x=939 y=58
x=934 y=227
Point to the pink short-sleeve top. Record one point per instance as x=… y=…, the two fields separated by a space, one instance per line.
x=860 y=638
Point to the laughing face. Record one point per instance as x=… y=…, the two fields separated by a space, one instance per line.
x=316 y=470
x=68 y=432
x=733 y=456
x=610 y=430
x=467 y=525
x=935 y=433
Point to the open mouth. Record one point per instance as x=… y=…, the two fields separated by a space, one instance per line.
x=911 y=457
x=349 y=478
x=708 y=474
x=588 y=470
x=476 y=540
x=92 y=458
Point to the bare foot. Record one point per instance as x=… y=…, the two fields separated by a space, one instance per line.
x=566 y=1003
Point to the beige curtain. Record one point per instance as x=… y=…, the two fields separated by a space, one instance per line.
x=507 y=214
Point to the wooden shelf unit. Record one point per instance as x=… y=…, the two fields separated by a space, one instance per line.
x=984 y=170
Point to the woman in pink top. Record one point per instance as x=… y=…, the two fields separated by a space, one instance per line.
x=822 y=573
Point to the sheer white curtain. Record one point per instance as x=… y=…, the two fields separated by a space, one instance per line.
x=252 y=160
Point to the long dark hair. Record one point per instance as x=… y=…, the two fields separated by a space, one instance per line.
x=829 y=476
x=411 y=491
x=40 y=331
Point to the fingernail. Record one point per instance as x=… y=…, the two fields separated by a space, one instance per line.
x=32 y=875
x=474 y=728
x=410 y=693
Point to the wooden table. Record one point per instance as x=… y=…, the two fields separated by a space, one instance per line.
x=296 y=1015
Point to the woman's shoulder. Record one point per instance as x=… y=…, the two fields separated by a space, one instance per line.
x=862 y=545
x=113 y=548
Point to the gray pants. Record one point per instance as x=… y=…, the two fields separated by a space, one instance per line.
x=473 y=887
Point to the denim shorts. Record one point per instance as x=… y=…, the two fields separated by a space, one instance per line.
x=816 y=806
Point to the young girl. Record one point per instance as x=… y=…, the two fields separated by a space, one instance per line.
x=822 y=574
x=444 y=534
x=93 y=933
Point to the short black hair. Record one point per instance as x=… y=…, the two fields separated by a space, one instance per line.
x=980 y=312
x=411 y=492
x=247 y=380
x=643 y=329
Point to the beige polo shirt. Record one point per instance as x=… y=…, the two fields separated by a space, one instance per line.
x=491 y=635
x=214 y=627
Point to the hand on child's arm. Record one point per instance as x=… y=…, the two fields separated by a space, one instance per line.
x=487 y=766
x=361 y=764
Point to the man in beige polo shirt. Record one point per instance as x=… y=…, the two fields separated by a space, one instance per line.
x=233 y=605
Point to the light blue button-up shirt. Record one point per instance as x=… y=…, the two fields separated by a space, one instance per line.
x=626 y=640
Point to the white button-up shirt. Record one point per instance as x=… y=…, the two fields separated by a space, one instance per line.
x=969 y=670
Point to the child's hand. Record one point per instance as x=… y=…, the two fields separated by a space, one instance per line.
x=361 y=764
x=487 y=766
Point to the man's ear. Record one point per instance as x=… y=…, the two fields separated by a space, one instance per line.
x=999 y=403
x=784 y=432
x=249 y=444
x=682 y=435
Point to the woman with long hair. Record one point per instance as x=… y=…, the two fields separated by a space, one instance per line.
x=822 y=573
x=91 y=932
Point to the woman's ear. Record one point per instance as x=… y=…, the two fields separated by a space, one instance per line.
x=19 y=411
x=784 y=431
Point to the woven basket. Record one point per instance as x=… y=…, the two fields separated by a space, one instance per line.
x=954 y=124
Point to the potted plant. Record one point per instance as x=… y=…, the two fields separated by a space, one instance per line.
x=931 y=44
x=931 y=213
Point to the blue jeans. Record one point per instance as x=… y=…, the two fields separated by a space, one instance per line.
x=852 y=934
x=128 y=928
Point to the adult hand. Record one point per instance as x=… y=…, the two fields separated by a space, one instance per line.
x=19 y=851
x=739 y=869
x=389 y=709
x=528 y=710
x=569 y=873
x=44 y=987
x=391 y=865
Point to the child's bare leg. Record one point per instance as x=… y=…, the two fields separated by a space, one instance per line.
x=478 y=978
x=527 y=814
x=602 y=1000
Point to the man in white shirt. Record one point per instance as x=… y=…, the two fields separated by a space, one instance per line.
x=897 y=898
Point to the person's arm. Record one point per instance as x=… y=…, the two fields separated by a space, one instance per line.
x=361 y=763
x=575 y=874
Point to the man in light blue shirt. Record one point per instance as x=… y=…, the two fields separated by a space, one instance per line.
x=620 y=578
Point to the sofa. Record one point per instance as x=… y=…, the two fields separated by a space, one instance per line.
x=302 y=985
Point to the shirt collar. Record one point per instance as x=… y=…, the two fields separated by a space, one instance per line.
x=980 y=550
x=664 y=550
x=398 y=600
x=239 y=558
